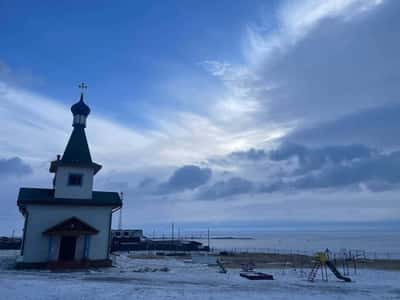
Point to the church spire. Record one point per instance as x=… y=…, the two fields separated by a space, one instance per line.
x=77 y=151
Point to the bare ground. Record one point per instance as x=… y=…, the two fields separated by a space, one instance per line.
x=272 y=260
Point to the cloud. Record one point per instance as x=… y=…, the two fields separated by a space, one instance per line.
x=29 y=119
x=375 y=127
x=376 y=173
x=36 y=128
x=335 y=70
x=186 y=178
x=146 y=183
x=315 y=158
x=222 y=189
x=291 y=168
x=251 y=154
x=14 y=167
x=338 y=59
x=297 y=20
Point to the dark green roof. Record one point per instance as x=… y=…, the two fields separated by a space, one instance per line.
x=76 y=152
x=46 y=196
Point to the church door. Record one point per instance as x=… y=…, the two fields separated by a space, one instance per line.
x=67 y=248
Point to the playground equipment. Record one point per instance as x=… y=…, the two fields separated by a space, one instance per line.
x=347 y=259
x=256 y=275
x=321 y=261
x=221 y=267
x=249 y=273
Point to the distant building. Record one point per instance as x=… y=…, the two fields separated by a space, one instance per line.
x=69 y=224
x=131 y=234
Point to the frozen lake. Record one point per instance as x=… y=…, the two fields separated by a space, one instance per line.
x=189 y=281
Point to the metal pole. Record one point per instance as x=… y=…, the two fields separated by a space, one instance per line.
x=208 y=239
x=173 y=245
x=120 y=213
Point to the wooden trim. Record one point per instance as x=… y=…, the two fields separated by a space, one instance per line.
x=63 y=228
x=70 y=233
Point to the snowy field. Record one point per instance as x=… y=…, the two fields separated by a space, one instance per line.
x=134 y=279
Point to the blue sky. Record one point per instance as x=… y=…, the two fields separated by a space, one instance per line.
x=125 y=50
x=221 y=112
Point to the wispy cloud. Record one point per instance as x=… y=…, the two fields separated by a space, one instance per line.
x=36 y=128
x=295 y=20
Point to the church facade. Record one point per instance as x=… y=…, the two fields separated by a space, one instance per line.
x=69 y=224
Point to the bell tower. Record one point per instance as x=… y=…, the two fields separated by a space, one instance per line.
x=74 y=172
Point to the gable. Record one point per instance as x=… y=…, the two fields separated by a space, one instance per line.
x=71 y=226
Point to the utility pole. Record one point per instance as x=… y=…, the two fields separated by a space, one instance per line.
x=208 y=239
x=120 y=213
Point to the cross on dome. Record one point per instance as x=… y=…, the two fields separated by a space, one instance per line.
x=83 y=87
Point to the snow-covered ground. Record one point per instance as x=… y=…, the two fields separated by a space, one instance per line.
x=188 y=281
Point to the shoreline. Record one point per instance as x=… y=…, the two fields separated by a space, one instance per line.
x=268 y=260
x=272 y=260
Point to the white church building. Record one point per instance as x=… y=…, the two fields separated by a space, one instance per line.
x=68 y=225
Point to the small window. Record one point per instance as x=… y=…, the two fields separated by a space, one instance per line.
x=75 y=179
x=118 y=233
x=126 y=233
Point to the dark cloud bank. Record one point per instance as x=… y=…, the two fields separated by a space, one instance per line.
x=188 y=177
x=355 y=167
x=14 y=167
x=376 y=127
x=331 y=167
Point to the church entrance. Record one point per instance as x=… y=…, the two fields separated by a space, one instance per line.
x=68 y=231
x=67 y=248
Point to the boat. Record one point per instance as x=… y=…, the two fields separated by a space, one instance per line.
x=256 y=276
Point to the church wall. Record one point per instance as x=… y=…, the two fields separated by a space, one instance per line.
x=55 y=248
x=42 y=217
x=63 y=190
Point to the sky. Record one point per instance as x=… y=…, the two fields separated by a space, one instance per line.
x=209 y=113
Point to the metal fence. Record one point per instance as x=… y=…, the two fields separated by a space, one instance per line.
x=349 y=253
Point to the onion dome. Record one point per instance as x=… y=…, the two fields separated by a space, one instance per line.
x=80 y=108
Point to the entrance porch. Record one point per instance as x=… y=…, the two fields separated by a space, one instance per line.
x=69 y=243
